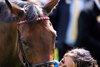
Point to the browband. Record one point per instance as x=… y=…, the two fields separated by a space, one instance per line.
x=37 y=19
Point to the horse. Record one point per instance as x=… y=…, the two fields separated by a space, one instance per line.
x=78 y=57
x=30 y=40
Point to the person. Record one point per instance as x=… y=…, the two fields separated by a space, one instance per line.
x=78 y=57
x=89 y=29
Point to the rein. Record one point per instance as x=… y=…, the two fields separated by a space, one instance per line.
x=25 y=61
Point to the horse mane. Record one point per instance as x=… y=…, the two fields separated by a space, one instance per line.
x=82 y=57
x=5 y=15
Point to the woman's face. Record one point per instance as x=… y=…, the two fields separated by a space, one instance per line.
x=67 y=62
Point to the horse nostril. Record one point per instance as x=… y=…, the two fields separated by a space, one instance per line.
x=24 y=42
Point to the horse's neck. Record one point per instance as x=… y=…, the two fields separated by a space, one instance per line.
x=8 y=51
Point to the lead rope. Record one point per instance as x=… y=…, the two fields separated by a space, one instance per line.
x=25 y=61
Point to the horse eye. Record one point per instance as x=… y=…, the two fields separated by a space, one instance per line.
x=24 y=42
x=27 y=43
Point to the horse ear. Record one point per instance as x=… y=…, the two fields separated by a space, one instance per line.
x=16 y=10
x=52 y=4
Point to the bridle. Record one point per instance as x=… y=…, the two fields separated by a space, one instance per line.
x=25 y=61
x=37 y=19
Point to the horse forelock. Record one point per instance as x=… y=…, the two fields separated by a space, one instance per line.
x=32 y=10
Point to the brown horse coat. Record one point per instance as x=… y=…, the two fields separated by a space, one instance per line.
x=38 y=37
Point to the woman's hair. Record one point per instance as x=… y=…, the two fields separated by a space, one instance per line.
x=82 y=57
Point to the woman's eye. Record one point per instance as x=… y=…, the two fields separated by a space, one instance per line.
x=62 y=61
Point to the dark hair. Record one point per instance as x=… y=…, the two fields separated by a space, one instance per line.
x=30 y=9
x=82 y=57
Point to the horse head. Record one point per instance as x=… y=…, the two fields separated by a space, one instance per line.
x=36 y=33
